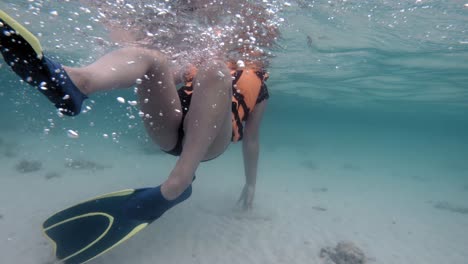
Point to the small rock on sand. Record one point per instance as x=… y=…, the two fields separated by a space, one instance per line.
x=52 y=175
x=446 y=206
x=319 y=208
x=83 y=165
x=318 y=190
x=27 y=166
x=344 y=253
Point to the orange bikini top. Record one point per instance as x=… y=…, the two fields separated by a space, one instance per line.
x=248 y=89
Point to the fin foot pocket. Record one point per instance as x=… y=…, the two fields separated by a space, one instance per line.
x=149 y=204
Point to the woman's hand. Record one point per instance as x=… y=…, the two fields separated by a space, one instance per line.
x=246 y=197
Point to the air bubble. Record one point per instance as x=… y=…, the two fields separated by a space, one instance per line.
x=121 y=100
x=72 y=134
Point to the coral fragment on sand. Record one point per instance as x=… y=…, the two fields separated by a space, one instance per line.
x=52 y=175
x=344 y=253
x=319 y=208
x=446 y=206
x=319 y=190
x=83 y=165
x=27 y=166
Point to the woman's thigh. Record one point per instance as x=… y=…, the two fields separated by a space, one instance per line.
x=160 y=105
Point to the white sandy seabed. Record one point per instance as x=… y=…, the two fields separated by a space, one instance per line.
x=305 y=200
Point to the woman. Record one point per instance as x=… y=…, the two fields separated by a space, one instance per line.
x=215 y=51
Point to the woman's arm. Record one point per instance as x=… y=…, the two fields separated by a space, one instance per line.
x=250 y=149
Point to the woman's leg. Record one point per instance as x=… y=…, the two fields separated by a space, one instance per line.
x=157 y=93
x=207 y=124
x=208 y=127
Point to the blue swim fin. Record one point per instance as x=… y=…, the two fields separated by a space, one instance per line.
x=90 y=229
x=22 y=51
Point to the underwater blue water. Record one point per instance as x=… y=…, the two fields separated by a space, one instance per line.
x=341 y=66
x=406 y=56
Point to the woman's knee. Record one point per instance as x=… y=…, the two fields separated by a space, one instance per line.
x=149 y=56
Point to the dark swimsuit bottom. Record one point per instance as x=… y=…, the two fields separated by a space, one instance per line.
x=185 y=97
